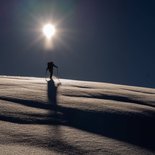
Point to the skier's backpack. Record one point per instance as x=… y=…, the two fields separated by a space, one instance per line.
x=49 y=65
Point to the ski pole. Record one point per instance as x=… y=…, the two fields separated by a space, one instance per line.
x=46 y=75
x=58 y=76
x=57 y=73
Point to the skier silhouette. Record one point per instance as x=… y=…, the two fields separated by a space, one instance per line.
x=49 y=68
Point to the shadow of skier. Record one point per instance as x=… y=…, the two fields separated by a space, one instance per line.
x=52 y=95
x=54 y=122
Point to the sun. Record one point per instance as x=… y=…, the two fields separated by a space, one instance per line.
x=49 y=30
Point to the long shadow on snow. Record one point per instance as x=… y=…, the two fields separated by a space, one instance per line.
x=115 y=98
x=135 y=128
x=26 y=102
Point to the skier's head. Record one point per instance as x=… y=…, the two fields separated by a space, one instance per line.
x=50 y=63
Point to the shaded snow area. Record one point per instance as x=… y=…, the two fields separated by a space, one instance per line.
x=39 y=117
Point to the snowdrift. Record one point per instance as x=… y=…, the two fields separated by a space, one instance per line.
x=75 y=117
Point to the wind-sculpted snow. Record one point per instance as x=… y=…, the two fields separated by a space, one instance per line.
x=75 y=117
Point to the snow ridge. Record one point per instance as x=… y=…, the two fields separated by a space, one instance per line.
x=75 y=117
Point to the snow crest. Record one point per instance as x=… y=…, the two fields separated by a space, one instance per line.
x=75 y=117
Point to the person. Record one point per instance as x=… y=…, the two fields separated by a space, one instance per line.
x=49 y=68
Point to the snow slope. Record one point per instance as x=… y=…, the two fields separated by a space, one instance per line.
x=75 y=117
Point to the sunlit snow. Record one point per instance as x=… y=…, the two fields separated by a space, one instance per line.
x=75 y=117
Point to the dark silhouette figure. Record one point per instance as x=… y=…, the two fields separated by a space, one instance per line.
x=50 y=66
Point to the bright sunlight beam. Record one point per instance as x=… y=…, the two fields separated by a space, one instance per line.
x=49 y=30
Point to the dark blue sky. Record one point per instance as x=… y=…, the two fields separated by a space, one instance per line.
x=99 y=40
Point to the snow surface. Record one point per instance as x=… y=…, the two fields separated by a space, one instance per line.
x=75 y=117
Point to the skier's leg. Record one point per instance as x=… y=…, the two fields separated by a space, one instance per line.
x=50 y=76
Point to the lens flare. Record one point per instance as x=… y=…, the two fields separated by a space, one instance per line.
x=49 y=30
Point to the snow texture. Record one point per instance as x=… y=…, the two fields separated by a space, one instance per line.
x=75 y=117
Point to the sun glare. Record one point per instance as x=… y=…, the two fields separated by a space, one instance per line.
x=49 y=30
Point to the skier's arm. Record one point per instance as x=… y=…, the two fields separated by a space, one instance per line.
x=55 y=66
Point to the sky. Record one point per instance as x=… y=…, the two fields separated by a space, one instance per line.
x=97 y=40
